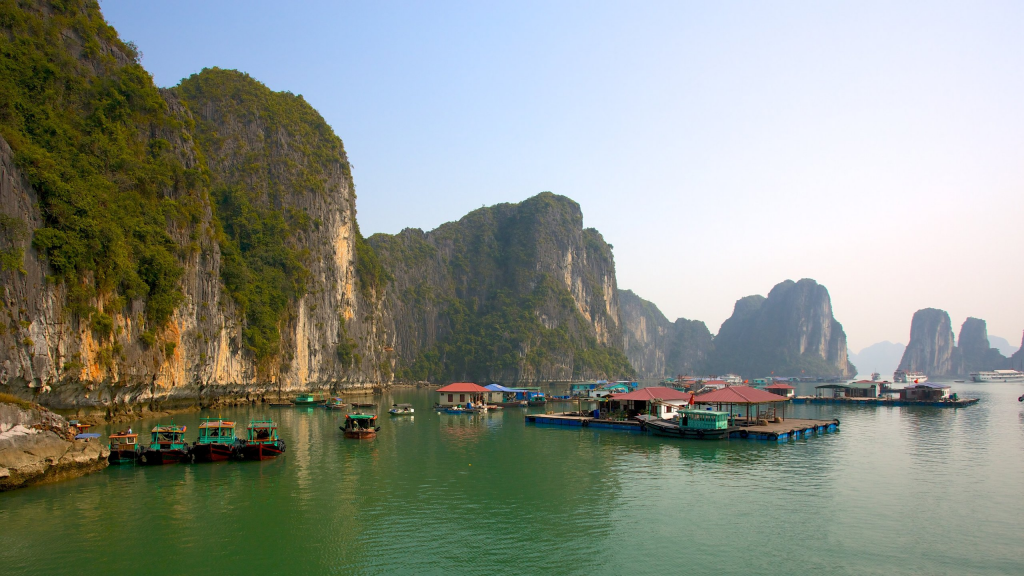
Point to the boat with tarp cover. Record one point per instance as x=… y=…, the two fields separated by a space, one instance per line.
x=167 y=446
x=123 y=447
x=335 y=404
x=216 y=442
x=360 y=426
x=402 y=410
x=261 y=442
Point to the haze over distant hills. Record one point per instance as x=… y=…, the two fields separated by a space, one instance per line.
x=1003 y=345
x=881 y=357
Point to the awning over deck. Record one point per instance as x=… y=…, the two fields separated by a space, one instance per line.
x=739 y=395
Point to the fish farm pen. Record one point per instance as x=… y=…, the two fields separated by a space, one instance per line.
x=788 y=429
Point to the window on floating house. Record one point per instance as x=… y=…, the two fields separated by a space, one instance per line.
x=462 y=397
x=450 y=397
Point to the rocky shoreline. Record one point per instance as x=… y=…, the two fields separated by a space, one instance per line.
x=38 y=446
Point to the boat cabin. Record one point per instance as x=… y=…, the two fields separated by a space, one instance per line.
x=461 y=393
x=261 y=431
x=860 y=389
x=925 y=391
x=781 y=389
x=123 y=441
x=360 y=421
x=216 y=432
x=168 y=437
x=694 y=419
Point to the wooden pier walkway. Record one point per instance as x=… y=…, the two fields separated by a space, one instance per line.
x=790 y=428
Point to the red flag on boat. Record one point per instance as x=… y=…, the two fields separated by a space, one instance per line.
x=691 y=400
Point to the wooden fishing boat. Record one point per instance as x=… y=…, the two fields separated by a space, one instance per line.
x=261 y=442
x=167 y=446
x=401 y=410
x=281 y=404
x=335 y=404
x=216 y=441
x=363 y=405
x=537 y=400
x=689 y=423
x=123 y=447
x=307 y=400
x=360 y=426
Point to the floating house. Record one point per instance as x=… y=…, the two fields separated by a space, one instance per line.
x=859 y=389
x=926 y=391
x=658 y=401
x=747 y=397
x=781 y=389
x=460 y=393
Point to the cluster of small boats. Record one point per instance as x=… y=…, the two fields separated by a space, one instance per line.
x=216 y=442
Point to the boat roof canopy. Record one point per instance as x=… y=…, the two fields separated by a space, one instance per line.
x=168 y=428
x=362 y=416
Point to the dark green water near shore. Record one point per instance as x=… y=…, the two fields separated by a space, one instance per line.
x=897 y=491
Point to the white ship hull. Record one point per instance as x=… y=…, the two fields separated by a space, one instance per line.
x=909 y=377
x=998 y=376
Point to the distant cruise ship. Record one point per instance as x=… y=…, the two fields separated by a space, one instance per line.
x=909 y=377
x=997 y=376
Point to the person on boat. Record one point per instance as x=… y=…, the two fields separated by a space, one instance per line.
x=129 y=429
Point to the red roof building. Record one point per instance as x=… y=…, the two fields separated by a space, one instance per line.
x=642 y=401
x=648 y=394
x=738 y=395
x=462 y=387
x=461 y=393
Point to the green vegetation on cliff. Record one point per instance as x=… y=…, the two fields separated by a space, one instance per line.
x=491 y=289
x=264 y=150
x=85 y=123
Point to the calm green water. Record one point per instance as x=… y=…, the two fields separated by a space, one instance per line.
x=897 y=491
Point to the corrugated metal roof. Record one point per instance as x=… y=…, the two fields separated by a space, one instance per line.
x=739 y=395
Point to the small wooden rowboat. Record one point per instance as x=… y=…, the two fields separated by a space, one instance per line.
x=402 y=410
x=360 y=426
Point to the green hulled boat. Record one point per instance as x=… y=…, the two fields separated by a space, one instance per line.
x=166 y=447
x=216 y=441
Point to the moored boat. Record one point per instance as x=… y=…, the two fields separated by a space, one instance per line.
x=360 y=426
x=997 y=376
x=363 y=405
x=307 y=400
x=123 y=447
x=216 y=441
x=689 y=423
x=261 y=442
x=167 y=446
x=335 y=404
x=402 y=410
x=537 y=399
x=909 y=377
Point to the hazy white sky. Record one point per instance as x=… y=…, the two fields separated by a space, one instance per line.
x=721 y=147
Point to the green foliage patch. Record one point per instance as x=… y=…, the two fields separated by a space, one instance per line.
x=86 y=127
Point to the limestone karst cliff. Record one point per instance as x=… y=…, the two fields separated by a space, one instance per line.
x=657 y=347
x=791 y=332
x=169 y=244
x=973 y=348
x=931 y=349
x=510 y=293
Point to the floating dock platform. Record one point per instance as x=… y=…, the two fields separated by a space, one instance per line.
x=884 y=401
x=788 y=429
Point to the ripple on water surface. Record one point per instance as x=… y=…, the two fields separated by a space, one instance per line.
x=897 y=491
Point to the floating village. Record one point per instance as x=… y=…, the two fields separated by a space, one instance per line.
x=689 y=408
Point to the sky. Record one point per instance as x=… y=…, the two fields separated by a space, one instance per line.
x=720 y=147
